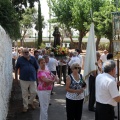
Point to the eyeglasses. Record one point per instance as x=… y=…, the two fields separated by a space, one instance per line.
x=76 y=67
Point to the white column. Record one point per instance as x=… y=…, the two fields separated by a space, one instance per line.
x=63 y=44
x=48 y=44
x=68 y=45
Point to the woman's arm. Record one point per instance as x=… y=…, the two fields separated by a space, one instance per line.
x=47 y=80
x=68 y=82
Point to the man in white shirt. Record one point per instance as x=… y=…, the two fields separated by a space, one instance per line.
x=103 y=57
x=52 y=64
x=62 y=69
x=107 y=94
x=74 y=59
x=80 y=57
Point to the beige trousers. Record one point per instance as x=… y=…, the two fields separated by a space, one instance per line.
x=32 y=90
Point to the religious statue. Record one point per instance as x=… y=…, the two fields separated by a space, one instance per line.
x=56 y=35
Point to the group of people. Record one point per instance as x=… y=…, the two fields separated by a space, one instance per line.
x=38 y=71
x=103 y=87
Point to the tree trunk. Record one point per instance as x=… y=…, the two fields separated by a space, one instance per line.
x=110 y=46
x=39 y=25
x=81 y=35
x=97 y=42
x=22 y=38
x=70 y=36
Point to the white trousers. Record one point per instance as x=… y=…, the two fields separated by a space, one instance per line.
x=44 y=98
x=32 y=90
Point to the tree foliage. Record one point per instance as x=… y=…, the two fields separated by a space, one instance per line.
x=74 y=14
x=29 y=18
x=62 y=11
x=21 y=5
x=9 y=19
x=77 y=14
x=95 y=7
x=62 y=14
x=37 y=25
x=103 y=21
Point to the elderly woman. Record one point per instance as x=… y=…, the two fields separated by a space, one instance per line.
x=74 y=97
x=45 y=84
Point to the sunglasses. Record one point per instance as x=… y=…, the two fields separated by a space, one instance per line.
x=76 y=67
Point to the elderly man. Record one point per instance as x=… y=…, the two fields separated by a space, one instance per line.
x=107 y=94
x=52 y=64
x=74 y=59
x=28 y=67
x=80 y=57
x=103 y=57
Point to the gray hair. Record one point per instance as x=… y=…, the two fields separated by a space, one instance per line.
x=40 y=59
x=97 y=53
x=73 y=65
x=52 y=54
x=108 y=66
x=75 y=54
x=25 y=49
x=45 y=56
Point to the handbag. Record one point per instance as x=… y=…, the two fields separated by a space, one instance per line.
x=82 y=81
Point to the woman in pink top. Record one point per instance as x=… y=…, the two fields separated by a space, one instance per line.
x=45 y=84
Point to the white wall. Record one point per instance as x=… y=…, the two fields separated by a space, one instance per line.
x=5 y=72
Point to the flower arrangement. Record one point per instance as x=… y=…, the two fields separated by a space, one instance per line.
x=59 y=51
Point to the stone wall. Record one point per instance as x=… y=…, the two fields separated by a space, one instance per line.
x=5 y=72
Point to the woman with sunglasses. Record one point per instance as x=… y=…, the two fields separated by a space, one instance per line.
x=75 y=93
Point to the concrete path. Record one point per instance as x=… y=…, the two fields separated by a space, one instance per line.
x=57 y=111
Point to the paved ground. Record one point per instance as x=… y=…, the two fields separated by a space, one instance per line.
x=56 y=110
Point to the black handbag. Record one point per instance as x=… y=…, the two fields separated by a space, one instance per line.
x=82 y=81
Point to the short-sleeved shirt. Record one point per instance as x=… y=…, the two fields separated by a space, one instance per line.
x=52 y=64
x=103 y=57
x=106 y=89
x=28 y=68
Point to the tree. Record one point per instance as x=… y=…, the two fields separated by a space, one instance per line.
x=95 y=7
x=81 y=18
x=21 y=5
x=61 y=11
x=73 y=14
x=39 y=25
x=103 y=20
x=9 y=19
x=29 y=18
